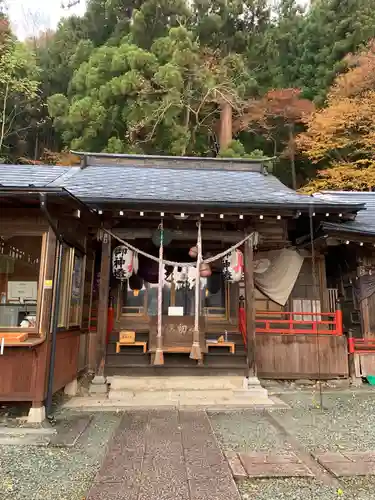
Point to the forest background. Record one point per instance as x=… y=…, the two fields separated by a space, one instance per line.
x=164 y=76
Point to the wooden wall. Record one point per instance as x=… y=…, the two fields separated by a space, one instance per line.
x=296 y=356
x=24 y=369
x=67 y=355
x=22 y=373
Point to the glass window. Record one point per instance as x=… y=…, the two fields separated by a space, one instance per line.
x=133 y=298
x=138 y=300
x=71 y=288
x=185 y=298
x=76 y=295
x=215 y=296
x=65 y=286
x=143 y=299
x=19 y=280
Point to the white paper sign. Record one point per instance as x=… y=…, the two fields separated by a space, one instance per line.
x=22 y=290
x=175 y=311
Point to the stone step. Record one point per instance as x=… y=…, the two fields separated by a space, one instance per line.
x=200 y=398
x=194 y=371
x=161 y=383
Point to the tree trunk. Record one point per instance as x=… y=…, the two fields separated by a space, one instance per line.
x=225 y=135
x=2 y=133
x=292 y=153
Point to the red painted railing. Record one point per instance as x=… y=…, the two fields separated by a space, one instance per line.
x=242 y=323
x=361 y=346
x=294 y=323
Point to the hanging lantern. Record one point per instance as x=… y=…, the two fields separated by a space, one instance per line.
x=124 y=263
x=156 y=237
x=193 y=252
x=149 y=271
x=233 y=266
x=135 y=283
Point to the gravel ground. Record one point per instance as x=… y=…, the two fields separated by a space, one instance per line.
x=46 y=473
x=242 y=431
x=306 y=489
x=287 y=489
x=346 y=422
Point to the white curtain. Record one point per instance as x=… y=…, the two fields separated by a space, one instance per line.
x=279 y=276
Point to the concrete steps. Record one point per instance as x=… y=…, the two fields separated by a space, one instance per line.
x=184 y=382
x=185 y=391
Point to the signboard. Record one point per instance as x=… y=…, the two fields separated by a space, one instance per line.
x=127 y=337
x=22 y=290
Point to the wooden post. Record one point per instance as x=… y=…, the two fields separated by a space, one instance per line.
x=250 y=307
x=105 y=270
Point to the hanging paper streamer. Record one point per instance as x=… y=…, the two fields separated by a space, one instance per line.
x=184 y=277
x=124 y=263
x=233 y=266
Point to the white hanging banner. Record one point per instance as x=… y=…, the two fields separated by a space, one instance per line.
x=185 y=277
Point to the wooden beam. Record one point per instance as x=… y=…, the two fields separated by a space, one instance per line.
x=222 y=236
x=250 y=307
x=105 y=269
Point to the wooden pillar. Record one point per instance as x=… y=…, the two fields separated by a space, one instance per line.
x=250 y=307
x=105 y=270
x=226 y=134
x=42 y=355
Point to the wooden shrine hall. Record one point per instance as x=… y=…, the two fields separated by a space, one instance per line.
x=176 y=265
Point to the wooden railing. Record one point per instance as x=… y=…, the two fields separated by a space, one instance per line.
x=294 y=323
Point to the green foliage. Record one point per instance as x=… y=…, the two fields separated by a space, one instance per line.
x=163 y=99
x=332 y=29
x=236 y=150
x=18 y=92
x=150 y=76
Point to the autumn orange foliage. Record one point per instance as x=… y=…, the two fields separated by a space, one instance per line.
x=286 y=104
x=65 y=159
x=340 y=138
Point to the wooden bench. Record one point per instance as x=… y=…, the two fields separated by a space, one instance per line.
x=231 y=345
x=136 y=344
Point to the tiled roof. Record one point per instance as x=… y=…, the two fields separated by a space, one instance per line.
x=29 y=175
x=182 y=185
x=139 y=183
x=364 y=222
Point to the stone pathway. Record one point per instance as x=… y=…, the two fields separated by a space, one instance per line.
x=348 y=464
x=246 y=465
x=164 y=455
